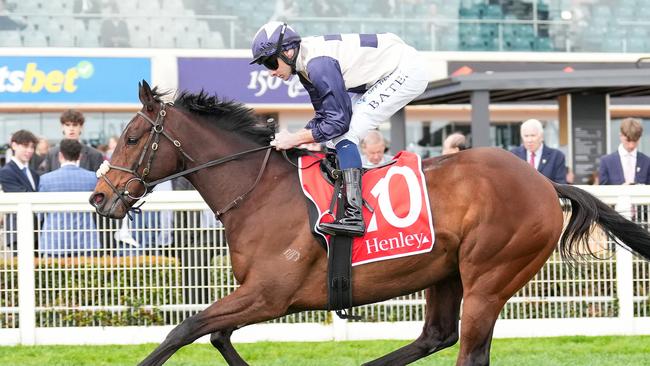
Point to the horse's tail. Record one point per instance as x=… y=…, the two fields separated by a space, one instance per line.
x=587 y=210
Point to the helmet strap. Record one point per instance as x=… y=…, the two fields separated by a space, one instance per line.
x=291 y=61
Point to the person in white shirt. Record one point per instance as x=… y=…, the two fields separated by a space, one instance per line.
x=627 y=165
x=355 y=81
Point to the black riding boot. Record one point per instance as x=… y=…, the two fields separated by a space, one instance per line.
x=352 y=224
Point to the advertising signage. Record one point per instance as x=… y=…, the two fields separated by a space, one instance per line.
x=71 y=79
x=235 y=79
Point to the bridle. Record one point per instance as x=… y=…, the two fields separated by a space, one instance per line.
x=157 y=130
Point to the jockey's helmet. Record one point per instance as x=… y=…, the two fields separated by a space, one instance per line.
x=269 y=42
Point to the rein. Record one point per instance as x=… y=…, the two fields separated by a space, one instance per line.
x=215 y=162
x=157 y=129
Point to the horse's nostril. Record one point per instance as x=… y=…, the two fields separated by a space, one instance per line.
x=98 y=198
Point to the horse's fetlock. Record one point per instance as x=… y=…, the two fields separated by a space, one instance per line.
x=449 y=341
x=435 y=342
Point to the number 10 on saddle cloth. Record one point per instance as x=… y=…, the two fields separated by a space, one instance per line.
x=401 y=224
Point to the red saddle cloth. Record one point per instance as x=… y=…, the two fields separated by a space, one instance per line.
x=401 y=224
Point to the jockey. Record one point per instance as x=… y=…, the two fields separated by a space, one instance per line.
x=355 y=82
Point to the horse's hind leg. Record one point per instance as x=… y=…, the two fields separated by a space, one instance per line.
x=221 y=341
x=440 y=326
x=487 y=286
x=479 y=317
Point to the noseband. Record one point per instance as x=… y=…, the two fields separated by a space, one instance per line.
x=157 y=129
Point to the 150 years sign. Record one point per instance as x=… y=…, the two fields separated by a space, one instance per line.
x=234 y=78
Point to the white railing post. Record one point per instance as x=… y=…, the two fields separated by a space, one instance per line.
x=339 y=327
x=624 y=275
x=26 y=285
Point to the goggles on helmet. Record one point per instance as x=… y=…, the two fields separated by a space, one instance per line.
x=271 y=62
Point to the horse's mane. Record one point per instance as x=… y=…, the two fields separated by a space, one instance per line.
x=225 y=114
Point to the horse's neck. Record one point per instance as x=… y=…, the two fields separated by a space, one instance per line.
x=222 y=184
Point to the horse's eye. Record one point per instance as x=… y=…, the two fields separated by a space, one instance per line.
x=131 y=140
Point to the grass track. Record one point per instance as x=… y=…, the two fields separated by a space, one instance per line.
x=571 y=351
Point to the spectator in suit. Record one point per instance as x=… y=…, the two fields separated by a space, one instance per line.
x=627 y=165
x=373 y=150
x=68 y=233
x=72 y=122
x=548 y=161
x=454 y=143
x=16 y=176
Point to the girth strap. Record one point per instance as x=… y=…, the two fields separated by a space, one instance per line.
x=339 y=272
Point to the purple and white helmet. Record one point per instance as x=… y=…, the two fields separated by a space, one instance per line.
x=271 y=39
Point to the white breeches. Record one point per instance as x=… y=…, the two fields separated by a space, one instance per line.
x=386 y=96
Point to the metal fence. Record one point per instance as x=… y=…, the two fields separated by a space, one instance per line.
x=69 y=276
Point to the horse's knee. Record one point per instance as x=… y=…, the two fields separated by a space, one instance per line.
x=184 y=333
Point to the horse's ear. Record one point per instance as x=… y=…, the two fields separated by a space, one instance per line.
x=146 y=95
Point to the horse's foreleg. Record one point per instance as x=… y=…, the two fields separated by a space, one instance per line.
x=221 y=341
x=440 y=326
x=248 y=304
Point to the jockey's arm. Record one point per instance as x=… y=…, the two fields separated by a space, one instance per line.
x=329 y=97
x=286 y=140
x=331 y=102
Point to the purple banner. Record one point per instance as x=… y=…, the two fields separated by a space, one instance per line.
x=234 y=78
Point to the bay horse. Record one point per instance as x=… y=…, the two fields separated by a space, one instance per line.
x=496 y=222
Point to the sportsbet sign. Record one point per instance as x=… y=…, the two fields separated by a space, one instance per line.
x=71 y=79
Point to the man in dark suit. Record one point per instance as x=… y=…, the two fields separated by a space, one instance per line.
x=72 y=122
x=16 y=176
x=626 y=165
x=548 y=161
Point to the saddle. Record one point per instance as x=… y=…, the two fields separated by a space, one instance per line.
x=393 y=230
x=339 y=264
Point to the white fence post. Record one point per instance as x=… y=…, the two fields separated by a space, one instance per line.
x=624 y=275
x=339 y=327
x=26 y=285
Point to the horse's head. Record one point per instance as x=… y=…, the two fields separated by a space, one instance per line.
x=146 y=151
